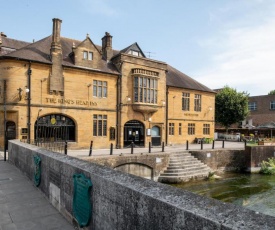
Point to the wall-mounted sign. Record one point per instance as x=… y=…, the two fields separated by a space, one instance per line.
x=37 y=170
x=148 y=132
x=191 y=114
x=62 y=101
x=82 y=209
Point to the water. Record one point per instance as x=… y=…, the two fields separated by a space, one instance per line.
x=252 y=191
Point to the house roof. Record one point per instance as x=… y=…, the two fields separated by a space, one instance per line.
x=9 y=45
x=39 y=51
x=175 y=78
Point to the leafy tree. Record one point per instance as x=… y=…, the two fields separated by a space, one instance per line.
x=230 y=106
x=272 y=92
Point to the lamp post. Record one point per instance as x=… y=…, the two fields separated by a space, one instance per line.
x=28 y=90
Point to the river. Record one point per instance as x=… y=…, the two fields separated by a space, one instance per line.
x=252 y=191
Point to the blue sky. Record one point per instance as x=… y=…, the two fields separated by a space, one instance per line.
x=216 y=42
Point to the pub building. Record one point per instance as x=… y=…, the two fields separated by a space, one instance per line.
x=61 y=89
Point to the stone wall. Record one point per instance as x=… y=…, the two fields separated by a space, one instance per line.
x=234 y=159
x=123 y=201
x=145 y=165
x=222 y=159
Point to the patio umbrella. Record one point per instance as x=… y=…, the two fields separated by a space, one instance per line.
x=268 y=125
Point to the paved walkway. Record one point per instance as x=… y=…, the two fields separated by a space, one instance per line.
x=167 y=149
x=23 y=206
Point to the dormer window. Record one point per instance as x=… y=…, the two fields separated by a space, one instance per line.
x=87 y=55
x=135 y=53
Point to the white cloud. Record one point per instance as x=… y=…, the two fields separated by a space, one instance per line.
x=243 y=57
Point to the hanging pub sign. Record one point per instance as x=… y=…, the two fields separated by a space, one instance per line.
x=82 y=208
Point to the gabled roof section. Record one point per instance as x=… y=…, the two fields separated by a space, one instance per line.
x=40 y=52
x=134 y=47
x=175 y=78
x=89 y=39
x=9 y=45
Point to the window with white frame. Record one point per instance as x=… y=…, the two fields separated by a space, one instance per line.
x=87 y=55
x=272 y=105
x=252 y=106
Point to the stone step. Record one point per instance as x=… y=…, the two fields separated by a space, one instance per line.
x=179 y=179
x=186 y=173
x=198 y=166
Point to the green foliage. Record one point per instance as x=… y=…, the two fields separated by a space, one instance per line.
x=268 y=167
x=272 y=92
x=230 y=106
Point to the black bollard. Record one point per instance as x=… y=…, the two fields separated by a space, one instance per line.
x=66 y=148
x=223 y=144
x=245 y=143
x=91 y=148
x=201 y=144
x=163 y=146
x=187 y=145
x=111 y=149
x=132 y=148
x=149 y=147
x=213 y=144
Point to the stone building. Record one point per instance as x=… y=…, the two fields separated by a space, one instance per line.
x=64 y=89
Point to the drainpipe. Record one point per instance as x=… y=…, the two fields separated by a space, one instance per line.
x=29 y=103
x=118 y=110
x=166 y=128
x=5 y=119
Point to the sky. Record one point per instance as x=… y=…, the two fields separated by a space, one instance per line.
x=216 y=42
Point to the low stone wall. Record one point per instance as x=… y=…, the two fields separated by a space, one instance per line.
x=257 y=154
x=222 y=159
x=124 y=201
x=144 y=165
x=230 y=160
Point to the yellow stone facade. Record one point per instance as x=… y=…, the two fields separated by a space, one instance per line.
x=61 y=89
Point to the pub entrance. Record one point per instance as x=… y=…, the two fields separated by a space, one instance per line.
x=10 y=132
x=155 y=136
x=133 y=132
x=54 y=127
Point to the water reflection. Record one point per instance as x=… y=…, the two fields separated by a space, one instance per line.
x=253 y=191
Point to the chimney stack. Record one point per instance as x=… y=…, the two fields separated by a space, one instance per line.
x=56 y=77
x=56 y=45
x=107 y=50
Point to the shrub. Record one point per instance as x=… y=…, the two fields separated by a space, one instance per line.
x=268 y=167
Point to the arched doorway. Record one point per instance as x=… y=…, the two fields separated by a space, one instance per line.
x=54 y=127
x=155 y=135
x=133 y=132
x=10 y=132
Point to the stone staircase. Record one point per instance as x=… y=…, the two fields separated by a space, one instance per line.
x=183 y=167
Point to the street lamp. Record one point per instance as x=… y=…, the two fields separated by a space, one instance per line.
x=5 y=120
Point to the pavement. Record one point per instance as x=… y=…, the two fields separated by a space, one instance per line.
x=24 y=207
x=167 y=149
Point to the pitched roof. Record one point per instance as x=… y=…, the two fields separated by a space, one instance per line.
x=8 y=45
x=40 y=52
x=134 y=47
x=178 y=79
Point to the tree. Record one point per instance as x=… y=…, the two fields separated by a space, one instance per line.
x=272 y=92
x=230 y=107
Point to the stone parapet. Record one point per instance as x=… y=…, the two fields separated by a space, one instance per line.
x=124 y=201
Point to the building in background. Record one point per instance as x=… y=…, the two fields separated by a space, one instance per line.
x=61 y=89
